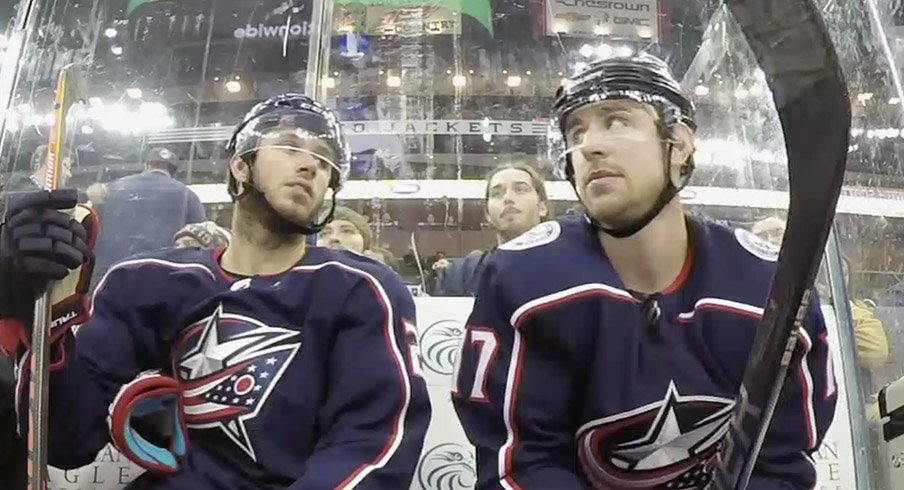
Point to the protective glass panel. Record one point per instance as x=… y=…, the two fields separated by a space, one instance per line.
x=435 y=96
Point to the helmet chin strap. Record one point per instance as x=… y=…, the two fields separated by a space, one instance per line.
x=668 y=193
x=271 y=219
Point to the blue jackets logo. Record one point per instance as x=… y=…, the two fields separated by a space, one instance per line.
x=539 y=235
x=667 y=444
x=757 y=246
x=448 y=466
x=229 y=365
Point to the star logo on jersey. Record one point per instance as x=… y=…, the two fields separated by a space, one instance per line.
x=667 y=444
x=229 y=364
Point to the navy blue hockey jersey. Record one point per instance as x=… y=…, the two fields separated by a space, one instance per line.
x=565 y=380
x=302 y=380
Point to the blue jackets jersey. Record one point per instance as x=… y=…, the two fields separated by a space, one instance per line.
x=565 y=382
x=302 y=380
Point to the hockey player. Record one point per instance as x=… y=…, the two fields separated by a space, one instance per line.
x=606 y=351
x=269 y=365
x=44 y=237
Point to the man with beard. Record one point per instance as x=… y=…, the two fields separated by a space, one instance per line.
x=607 y=350
x=270 y=364
x=515 y=202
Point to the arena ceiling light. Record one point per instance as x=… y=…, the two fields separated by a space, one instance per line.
x=233 y=86
x=602 y=30
x=605 y=51
x=134 y=92
x=459 y=80
x=110 y=32
x=701 y=90
x=623 y=51
x=394 y=81
x=513 y=81
x=329 y=82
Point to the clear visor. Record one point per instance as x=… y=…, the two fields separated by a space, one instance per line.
x=607 y=119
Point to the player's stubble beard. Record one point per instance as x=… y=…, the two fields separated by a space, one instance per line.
x=255 y=214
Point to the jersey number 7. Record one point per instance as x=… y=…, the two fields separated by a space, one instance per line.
x=486 y=344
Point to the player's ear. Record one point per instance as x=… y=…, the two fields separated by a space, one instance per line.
x=240 y=169
x=544 y=210
x=682 y=140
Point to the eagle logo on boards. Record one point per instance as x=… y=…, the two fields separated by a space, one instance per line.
x=667 y=444
x=440 y=343
x=449 y=466
x=757 y=246
x=541 y=234
x=229 y=364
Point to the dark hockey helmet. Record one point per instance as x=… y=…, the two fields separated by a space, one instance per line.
x=640 y=77
x=311 y=119
x=313 y=123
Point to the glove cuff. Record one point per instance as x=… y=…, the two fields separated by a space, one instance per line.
x=149 y=393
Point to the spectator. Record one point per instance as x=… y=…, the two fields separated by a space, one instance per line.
x=38 y=169
x=870 y=337
x=439 y=255
x=143 y=212
x=202 y=235
x=387 y=219
x=770 y=229
x=382 y=255
x=97 y=194
x=348 y=230
x=516 y=201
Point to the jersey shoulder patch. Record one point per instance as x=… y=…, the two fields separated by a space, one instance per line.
x=542 y=234
x=757 y=246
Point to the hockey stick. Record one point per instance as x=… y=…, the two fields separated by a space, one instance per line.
x=68 y=91
x=420 y=265
x=792 y=46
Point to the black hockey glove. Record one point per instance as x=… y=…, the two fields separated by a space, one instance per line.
x=41 y=243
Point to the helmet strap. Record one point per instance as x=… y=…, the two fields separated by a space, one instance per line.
x=271 y=219
x=668 y=192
